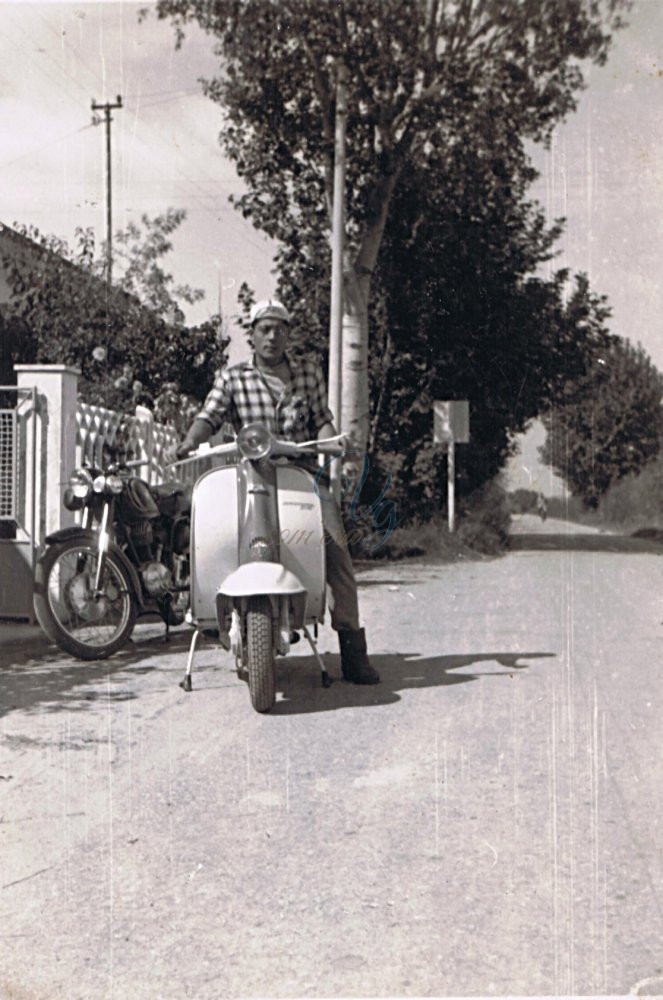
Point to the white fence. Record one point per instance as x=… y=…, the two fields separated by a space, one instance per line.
x=98 y=428
x=141 y=437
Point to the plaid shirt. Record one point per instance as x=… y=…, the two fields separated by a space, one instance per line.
x=241 y=395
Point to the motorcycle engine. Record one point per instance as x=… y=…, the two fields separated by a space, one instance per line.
x=156 y=578
x=142 y=537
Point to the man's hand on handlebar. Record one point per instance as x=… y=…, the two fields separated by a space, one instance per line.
x=347 y=442
x=199 y=432
x=338 y=444
x=178 y=451
x=184 y=449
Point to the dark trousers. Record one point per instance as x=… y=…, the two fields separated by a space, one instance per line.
x=341 y=583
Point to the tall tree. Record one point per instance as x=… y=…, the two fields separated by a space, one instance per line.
x=469 y=320
x=422 y=72
x=609 y=423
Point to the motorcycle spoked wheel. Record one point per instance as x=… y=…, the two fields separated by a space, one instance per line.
x=88 y=628
x=260 y=653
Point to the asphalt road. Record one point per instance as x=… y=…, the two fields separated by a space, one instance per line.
x=487 y=821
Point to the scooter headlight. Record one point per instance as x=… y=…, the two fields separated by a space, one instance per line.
x=254 y=441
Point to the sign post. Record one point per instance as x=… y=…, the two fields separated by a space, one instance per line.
x=451 y=480
x=451 y=426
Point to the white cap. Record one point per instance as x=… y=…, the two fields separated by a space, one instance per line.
x=269 y=309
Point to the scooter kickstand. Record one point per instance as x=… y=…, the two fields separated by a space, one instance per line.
x=326 y=679
x=185 y=683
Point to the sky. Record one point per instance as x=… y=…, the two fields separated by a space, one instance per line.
x=55 y=59
x=603 y=172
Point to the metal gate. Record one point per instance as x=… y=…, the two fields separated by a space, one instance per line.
x=18 y=507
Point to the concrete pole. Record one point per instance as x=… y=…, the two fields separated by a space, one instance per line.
x=337 y=241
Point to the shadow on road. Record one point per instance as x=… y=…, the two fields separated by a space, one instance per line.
x=42 y=678
x=398 y=672
x=583 y=543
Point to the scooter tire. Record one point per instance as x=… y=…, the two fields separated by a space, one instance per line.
x=261 y=668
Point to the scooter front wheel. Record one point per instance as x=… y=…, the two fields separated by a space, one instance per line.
x=262 y=680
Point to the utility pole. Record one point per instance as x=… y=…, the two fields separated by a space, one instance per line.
x=337 y=241
x=107 y=108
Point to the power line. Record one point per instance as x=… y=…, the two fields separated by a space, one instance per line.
x=172 y=94
x=37 y=63
x=72 y=49
x=96 y=76
x=53 y=142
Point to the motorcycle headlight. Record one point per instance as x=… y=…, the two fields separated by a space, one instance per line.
x=254 y=441
x=80 y=484
x=72 y=502
x=99 y=484
x=114 y=484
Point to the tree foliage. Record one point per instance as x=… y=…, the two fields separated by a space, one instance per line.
x=467 y=320
x=425 y=77
x=130 y=341
x=609 y=424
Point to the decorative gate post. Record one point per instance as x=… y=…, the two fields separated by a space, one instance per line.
x=56 y=387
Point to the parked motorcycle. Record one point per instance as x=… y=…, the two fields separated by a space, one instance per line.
x=129 y=556
x=258 y=555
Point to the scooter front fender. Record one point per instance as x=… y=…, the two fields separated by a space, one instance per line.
x=269 y=578
x=260 y=578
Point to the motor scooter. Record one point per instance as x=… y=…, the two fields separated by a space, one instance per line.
x=257 y=555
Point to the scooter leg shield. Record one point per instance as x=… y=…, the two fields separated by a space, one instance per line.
x=224 y=608
x=298 y=610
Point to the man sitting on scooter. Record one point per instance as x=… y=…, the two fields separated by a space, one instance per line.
x=289 y=397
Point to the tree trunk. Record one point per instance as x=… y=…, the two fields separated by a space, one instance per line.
x=356 y=296
x=354 y=370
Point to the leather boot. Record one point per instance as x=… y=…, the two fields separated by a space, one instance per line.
x=354 y=658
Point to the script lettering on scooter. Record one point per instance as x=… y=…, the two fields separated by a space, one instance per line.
x=288 y=536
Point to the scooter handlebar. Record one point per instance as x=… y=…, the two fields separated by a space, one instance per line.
x=205 y=451
x=324 y=446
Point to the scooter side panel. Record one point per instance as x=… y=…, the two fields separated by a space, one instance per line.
x=214 y=552
x=302 y=547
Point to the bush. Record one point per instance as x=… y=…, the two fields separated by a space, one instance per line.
x=483 y=528
x=485 y=519
x=632 y=504
x=522 y=501
x=636 y=501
